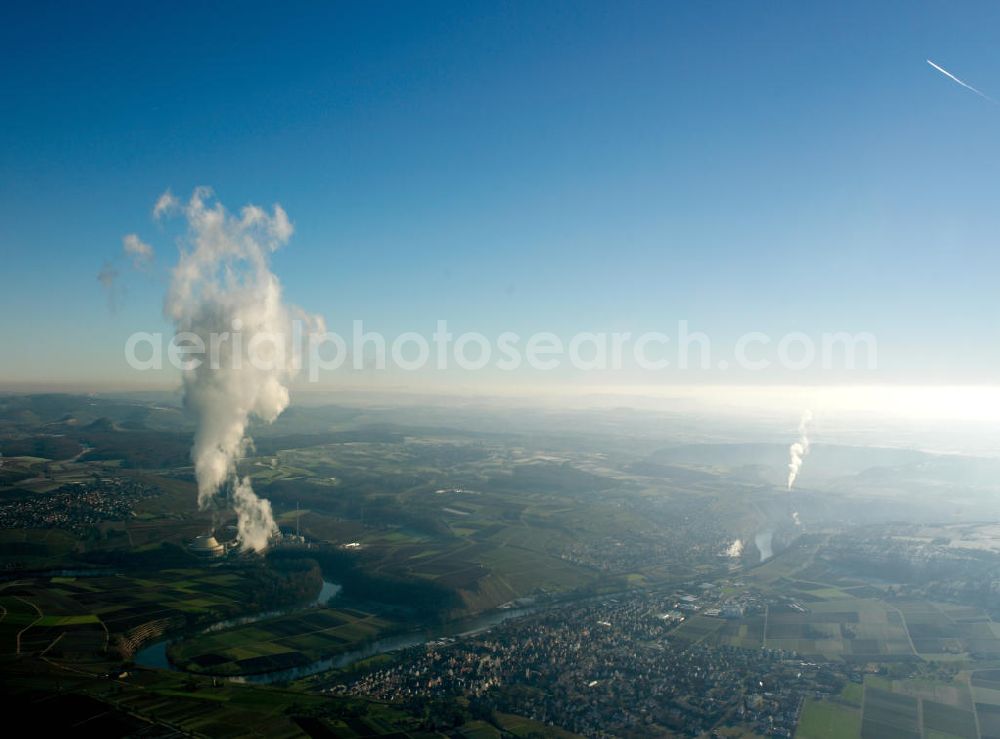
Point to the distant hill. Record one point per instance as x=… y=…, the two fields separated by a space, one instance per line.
x=824 y=459
x=47 y=447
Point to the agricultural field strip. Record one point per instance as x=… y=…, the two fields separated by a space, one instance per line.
x=263 y=638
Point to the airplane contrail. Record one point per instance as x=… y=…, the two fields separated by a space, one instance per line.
x=966 y=85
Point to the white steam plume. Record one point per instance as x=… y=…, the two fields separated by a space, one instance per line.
x=165 y=205
x=223 y=283
x=735 y=550
x=138 y=251
x=798 y=450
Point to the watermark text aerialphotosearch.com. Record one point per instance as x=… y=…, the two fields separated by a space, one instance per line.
x=318 y=352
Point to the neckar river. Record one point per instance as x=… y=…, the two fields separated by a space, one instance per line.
x=155 y=654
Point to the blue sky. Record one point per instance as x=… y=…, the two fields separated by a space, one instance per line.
x=527 y=166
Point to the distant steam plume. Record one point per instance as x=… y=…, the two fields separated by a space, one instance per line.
x=223 y=283
x=138 y=251
x=798 y=450
x=108 y=277
x=735 y=550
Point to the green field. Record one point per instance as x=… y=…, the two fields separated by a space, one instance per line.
x=698 y=628
x=911 y=707
x=828 y=720
x=849 y=627
x=279 y=643
x=96 y=617
x=177 y=703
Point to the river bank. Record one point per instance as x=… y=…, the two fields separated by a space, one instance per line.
x=155 y=655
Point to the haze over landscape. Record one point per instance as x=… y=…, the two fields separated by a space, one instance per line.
x=500 y=370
